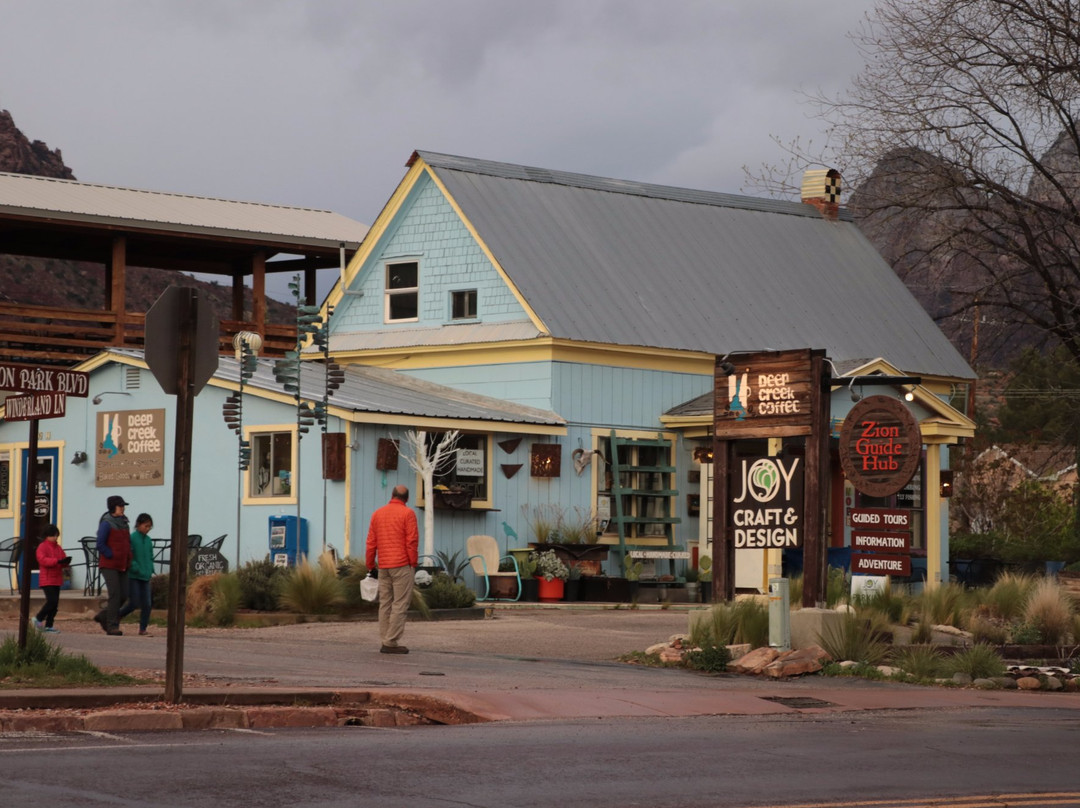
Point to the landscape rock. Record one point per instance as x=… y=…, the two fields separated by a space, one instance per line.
x=670 y=654
x=986 y=684
x=797 y=662
x=961 y=679
x=1004 y=682
x=888 y=670
x=1053 y=683
x=755 y=661
x=740 y=650
x=656 y=649
x=1028 y=683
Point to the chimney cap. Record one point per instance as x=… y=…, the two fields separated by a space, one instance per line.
x=821 y=183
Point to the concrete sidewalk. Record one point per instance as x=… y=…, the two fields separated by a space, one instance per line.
x=524 y=664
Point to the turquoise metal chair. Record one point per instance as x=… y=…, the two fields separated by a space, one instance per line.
x=485 y=561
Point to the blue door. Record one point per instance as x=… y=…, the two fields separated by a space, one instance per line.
x=46 y=496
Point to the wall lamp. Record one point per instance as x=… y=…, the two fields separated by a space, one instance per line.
x=851 y=389
x=909 y=393
x=78 y=459
x=97 y=399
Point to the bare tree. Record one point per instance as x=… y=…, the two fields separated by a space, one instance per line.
x=427 y=461
x=965 y=116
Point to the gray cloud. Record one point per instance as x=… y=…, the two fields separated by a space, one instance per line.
x=320 y=102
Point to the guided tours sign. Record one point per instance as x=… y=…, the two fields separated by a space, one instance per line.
x=880 y=446
x=767 y=503
x=881 y=541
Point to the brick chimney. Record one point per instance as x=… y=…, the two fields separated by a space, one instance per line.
x=821 y=188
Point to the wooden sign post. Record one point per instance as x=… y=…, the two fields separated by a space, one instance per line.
x=774 y=394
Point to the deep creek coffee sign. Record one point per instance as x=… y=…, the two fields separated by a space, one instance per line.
x=880 y=446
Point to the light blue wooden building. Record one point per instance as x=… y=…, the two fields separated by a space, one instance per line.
x=568 y=326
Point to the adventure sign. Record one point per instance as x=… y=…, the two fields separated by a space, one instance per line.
x=880 y=446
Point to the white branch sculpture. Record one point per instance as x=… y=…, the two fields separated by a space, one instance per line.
x=426 y=461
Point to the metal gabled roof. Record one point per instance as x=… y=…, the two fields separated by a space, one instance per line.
x=387 y=392
x=370 y=390
x=131 y=209
x=609 y=261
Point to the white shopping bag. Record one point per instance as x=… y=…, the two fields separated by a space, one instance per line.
x=369 y=589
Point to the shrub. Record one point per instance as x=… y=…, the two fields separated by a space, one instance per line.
x=919 y=661
x=312 y=589
x=751 y=623
x=795 y=590
x=446 y=593
x=453 y=565
x=883 y=602
x=710 y=657
x=1050 y=611
x=213 y=599
x=980 y=661
x=1006 y=598
x=260 y=583
x=988 y=630
x=856 y=638
x=42 y=664
x=922 y=634
x=945 y=605
x=225 y=599
x=159 y=591
x=837 y=587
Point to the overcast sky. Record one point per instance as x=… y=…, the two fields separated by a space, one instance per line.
x=319 y=103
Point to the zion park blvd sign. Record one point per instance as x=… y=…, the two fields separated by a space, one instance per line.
x=880 y=446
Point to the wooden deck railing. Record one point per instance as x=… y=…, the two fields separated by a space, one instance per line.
x=35 y=334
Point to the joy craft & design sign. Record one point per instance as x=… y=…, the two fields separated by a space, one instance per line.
x=880 y=446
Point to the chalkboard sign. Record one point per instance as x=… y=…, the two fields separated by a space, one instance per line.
x=206 y=561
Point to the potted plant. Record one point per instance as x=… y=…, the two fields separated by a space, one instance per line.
x=705 y=577
x=573 y=584
x=551 y=573
x=530 y=585
x=692 y=585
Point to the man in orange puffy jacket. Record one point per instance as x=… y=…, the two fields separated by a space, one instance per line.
x=392 y=545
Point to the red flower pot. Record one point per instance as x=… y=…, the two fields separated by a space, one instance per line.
x=550 y=591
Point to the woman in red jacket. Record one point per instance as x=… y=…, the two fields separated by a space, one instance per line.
x=51 y=560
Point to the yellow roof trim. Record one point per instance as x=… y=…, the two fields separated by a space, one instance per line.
x=374 y=234
x=542 y=349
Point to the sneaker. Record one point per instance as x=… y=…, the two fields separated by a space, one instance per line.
x=100 y=620
x=51 y=630
x=143 y=632
x=39 y=625
x=114 y=632
x=393 y=649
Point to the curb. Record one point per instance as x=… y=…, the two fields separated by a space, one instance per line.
x=128 y=711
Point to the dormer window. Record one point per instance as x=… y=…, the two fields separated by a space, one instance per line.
x=402 y=292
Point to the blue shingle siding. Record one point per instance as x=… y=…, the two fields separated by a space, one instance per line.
x=629 y=398
x=428 y=229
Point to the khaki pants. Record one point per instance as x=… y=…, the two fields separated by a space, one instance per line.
x=395 y=595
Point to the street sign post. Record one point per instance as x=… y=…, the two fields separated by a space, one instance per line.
x=182 y=353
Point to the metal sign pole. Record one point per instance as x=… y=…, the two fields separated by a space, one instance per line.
x=28 y=512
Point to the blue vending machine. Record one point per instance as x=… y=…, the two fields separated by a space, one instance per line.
x=288 y=540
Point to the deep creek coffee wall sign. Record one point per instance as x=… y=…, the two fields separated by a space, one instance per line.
x=880 y=446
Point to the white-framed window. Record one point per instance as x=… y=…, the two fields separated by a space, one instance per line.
x=468 y=470
x=402 y=291
x=463 y=304
x=273 y=458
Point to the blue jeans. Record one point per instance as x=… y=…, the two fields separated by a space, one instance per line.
x=138 y=598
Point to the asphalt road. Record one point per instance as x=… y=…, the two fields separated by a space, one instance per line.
x=967 y=758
